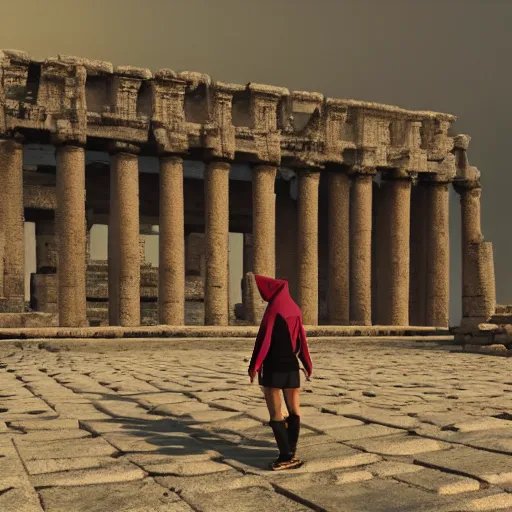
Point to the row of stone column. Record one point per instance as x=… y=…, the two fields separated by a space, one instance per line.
x=349 y=297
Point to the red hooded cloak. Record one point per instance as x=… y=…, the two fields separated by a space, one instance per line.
x=276 y=293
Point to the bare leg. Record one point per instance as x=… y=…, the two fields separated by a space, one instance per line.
x=292 y=399
x=274 y=403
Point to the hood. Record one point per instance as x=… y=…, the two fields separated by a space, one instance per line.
x=269 y=287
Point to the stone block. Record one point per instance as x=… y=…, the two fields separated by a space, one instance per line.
x=397 y=445
x=247 y=498
x=120 y=471
x=194 y=288
x=494 y=468
x=144 y=496
x=65 y=449
x=439 y=482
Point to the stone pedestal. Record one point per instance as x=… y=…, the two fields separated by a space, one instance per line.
x=12 y=251
x=124 y=240
x=338 y=291
x=171 y=295
x=438 y=256
x=399 y=216
x=70 y=228
x=307 y=246
x=361 y=249
x=216 y=295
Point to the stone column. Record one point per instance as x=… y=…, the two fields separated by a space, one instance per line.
x=361 y=249
x=399 y=215
x=171 y=243
x=125 y=211
x=216 y=294
x=338 y=291
x=113 y=249
x=478 y=284
x=307 y=245
x=264 y=220
x=471 y=231
x=70 y=228
x=12 y=248
x=380 y=253
x=438 y=256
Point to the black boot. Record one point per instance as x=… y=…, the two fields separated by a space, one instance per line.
x=284 y=461
x=293 y=432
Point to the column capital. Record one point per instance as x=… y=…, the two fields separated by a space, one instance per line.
x=123 y=147
x=15 y=138
x=171 y=158
x=359 y=171
x=399 y=174
x=313 y=174
x=265 y=168
x=220 y=165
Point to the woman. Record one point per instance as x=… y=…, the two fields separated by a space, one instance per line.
x=281 y=340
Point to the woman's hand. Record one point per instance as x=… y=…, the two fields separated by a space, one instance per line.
x=252 y=376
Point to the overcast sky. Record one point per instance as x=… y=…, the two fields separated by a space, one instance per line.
x=445 y=55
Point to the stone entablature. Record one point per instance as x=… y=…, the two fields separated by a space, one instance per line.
x=80 y=100
x=376 y=250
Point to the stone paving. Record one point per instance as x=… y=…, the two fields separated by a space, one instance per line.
x=176 y=426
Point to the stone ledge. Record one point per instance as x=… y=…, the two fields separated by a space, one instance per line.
x=163 y=331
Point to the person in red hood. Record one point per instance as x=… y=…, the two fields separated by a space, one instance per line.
x=280 y=343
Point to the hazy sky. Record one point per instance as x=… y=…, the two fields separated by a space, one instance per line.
x=445 y=55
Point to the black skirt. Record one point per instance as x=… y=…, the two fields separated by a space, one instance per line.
x=280 y=380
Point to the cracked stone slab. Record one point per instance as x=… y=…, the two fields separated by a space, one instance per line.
x=183 y=409
x=246 y=499
x=122 y=409
x=485 y=423
x=41 y=466
x=186 y=468
x=392 y=467
x=16 y=494
x=494 y=468
x=398 y=445
x=175 y=444
x=324 y=423
x=121 y=471
x=90 y=447
x=362 y=432
x=236 y=424
x=439 y=482
x=493 y=503
x=213 y=482
x=53 y=435
x=142 y=496
x=150 y=400
x=380 y=495
x=53 y=424
x=149 y=459
x=80 y=411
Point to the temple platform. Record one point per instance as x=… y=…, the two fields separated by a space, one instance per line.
x=216 y=332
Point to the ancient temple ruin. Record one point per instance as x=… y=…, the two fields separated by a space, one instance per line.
x=348 y=200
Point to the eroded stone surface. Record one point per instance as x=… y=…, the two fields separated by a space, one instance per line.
x=211 y=441
x=143 y=496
